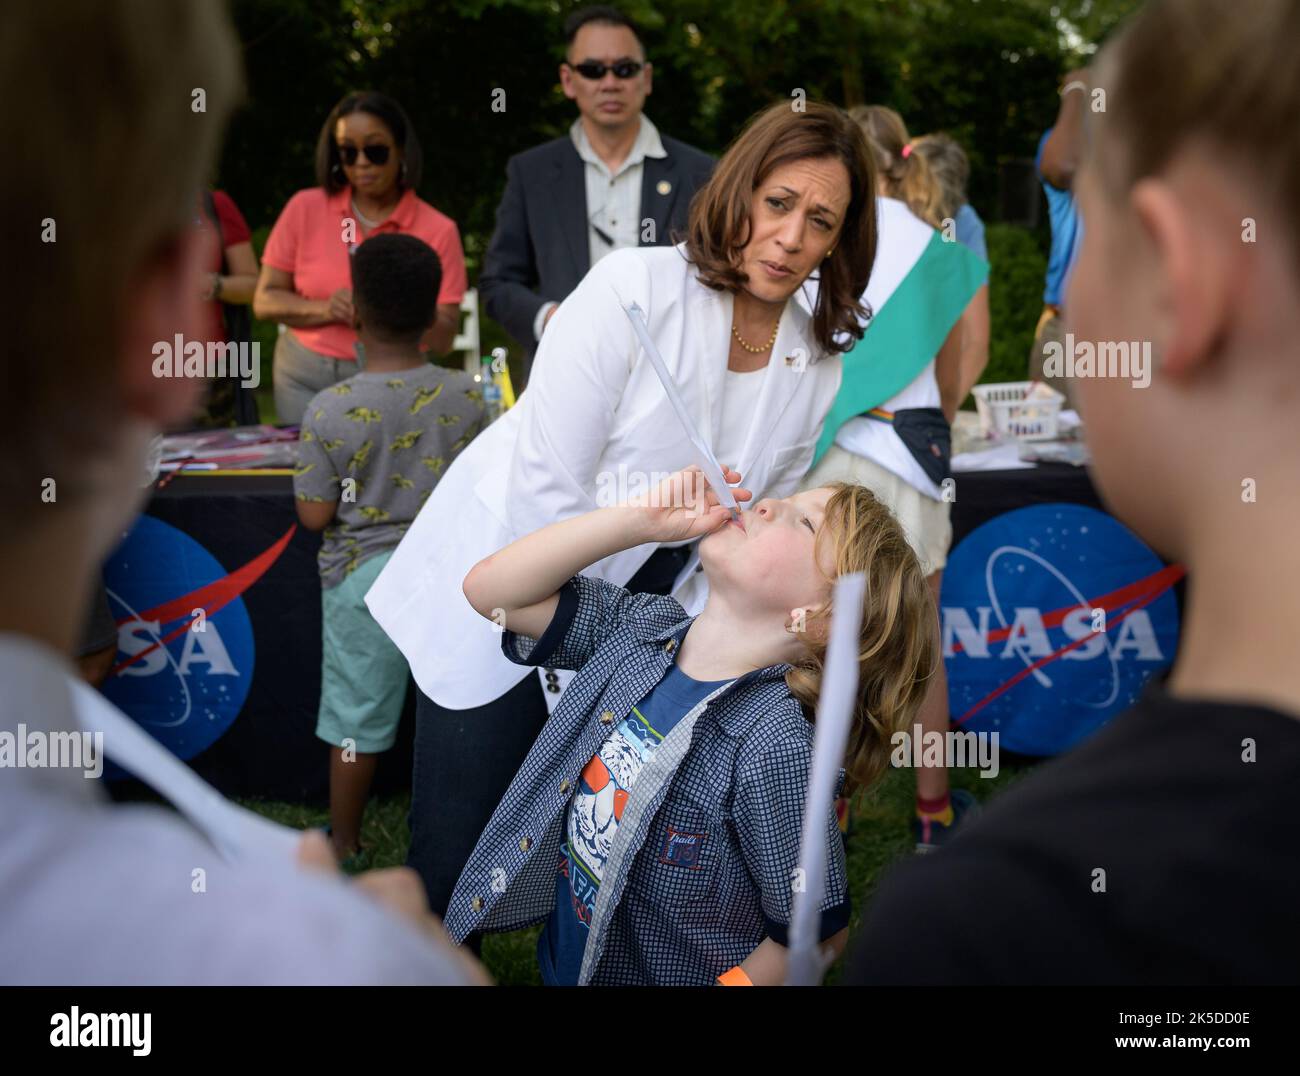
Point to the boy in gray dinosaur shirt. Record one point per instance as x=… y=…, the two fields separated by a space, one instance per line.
x=369 y=454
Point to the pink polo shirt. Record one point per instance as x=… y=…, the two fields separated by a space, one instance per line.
x=307 y=241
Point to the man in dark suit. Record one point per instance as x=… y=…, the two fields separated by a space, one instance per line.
x=612 y=182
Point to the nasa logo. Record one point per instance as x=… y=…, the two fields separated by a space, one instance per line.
x=185 y=643
x=1053 y=619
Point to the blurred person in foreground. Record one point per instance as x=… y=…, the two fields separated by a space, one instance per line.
x=95 y=892
x=1162 y=850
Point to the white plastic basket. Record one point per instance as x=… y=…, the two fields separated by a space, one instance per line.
x=1010 y=409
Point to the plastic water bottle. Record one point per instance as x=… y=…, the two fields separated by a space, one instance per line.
x=491 y=391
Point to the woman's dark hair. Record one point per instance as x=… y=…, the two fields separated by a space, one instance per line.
x=395 y=282
x=329 y=167
x=719 y=222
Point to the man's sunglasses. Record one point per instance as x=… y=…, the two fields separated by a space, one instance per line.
x=374 y=154
x=623 y=69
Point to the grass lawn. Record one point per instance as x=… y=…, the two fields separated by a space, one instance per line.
x=880 y=834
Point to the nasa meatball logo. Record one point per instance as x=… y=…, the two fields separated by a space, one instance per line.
x=1054 y=617
x=185 y=643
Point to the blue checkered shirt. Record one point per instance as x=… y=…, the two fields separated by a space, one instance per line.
x=733 y=772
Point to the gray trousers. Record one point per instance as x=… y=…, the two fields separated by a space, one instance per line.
x=299 y=373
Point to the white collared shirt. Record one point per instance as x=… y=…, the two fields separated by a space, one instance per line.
x=613 y=198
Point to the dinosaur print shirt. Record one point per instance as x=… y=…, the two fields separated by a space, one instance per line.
x=378 y=443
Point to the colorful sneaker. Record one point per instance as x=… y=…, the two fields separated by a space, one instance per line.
x=844 y=817
x=931 y=834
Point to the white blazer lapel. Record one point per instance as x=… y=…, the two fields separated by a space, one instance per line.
x=714 y=343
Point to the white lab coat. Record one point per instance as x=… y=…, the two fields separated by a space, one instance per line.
x=593 y=409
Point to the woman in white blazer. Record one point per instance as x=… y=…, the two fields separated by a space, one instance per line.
x=793 y=196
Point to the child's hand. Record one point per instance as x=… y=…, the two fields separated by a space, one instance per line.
x=683 y=506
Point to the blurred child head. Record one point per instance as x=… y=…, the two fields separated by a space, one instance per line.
x=115 y=149
x=1190 y=200
x=904 y=174
x=395 y=282
x=950 y=168
x=779 y=564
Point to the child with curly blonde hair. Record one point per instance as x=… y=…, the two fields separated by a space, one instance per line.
x=655 y=824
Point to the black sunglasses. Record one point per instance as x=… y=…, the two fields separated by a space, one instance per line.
x=623 y=69
x=374 y=154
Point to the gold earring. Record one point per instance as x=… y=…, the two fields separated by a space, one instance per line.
x=830 y=252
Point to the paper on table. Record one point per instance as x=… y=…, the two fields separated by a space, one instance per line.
x=707 y=461
x=806 y=966
x=1001 y=457
x=238 y=835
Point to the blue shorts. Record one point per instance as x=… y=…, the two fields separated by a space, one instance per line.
x=362 y=673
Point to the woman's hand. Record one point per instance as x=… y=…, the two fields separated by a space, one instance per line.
x=684 y=506
x=340 y=306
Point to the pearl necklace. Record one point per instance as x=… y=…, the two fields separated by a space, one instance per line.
x=750 y=347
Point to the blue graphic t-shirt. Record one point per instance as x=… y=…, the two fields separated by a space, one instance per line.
x=593 y=815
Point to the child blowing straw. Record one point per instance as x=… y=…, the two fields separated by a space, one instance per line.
x=654 y=825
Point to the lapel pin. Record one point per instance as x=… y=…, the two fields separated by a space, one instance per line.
x=664 y=186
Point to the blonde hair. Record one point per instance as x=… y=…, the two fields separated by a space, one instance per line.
x=950 y=167
x=113 y=157
x=899 y=640
x=1216 y=71
x=907 y=175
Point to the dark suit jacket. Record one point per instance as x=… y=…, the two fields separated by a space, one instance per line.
x=539 y=251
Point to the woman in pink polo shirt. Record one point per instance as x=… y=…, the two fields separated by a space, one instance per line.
x=367 y=168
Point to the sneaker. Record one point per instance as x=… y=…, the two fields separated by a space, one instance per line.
x=844 y=817
x=930 y=834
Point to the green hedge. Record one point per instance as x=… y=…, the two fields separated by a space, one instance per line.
x=1017 y=268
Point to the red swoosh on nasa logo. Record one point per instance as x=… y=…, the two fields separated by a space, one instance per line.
x=1146 y=599
x=211 y=598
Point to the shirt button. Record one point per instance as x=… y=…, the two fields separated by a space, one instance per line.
x=607 y=717
x=564 y=785
x=525 y=843
x=553 y=688
x=477 y=904
x=670 y=646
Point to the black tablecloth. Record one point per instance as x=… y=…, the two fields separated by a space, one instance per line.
x=270 y=750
